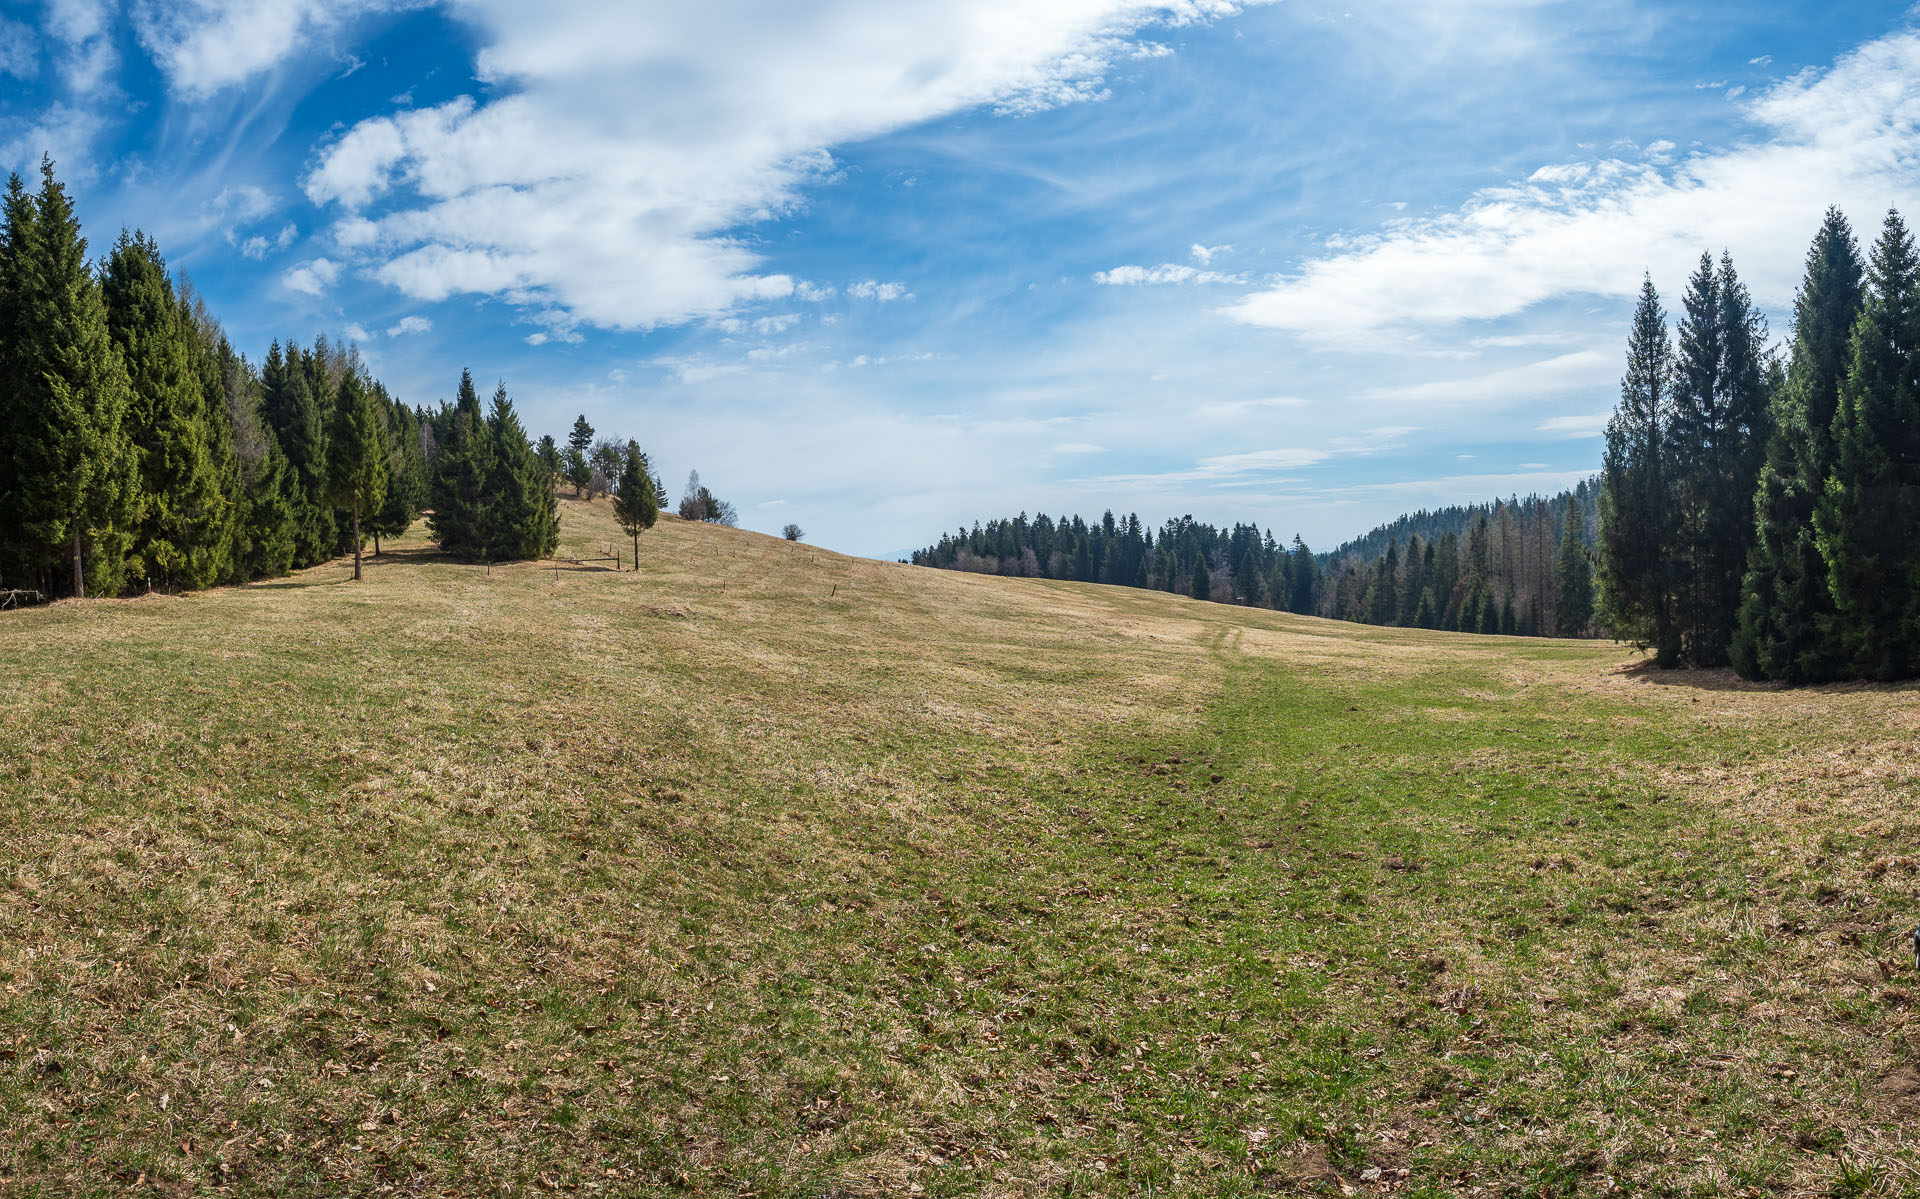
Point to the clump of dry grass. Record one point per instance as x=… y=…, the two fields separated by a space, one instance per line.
x=767 y=870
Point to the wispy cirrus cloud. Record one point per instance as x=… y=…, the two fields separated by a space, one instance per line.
x=1166 y=272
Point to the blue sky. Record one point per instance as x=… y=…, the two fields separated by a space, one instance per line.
x=885 y=269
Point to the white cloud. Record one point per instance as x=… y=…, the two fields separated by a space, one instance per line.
x=1552 y=376
x=811 y=293
x=1591 y=424
x=63 y=131
x=85 y=29
x=1166 y=272
x=1255 y=467
x=355 y=167
x=243 y=203
x=1765 y=60
x=410 y=324
x=1204 y=254
x=206 y=45
x=569 y=192
x=859 y=360
x=19 y=50
x=313 y=278
x=869 y=289
x=357 y=332
x=1240 y=409
x=764 y=326
x=1849 y=136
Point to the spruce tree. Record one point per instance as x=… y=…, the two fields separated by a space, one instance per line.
x=356 y=454
x=1305 y=578
x=1202 y=578
x=178 y=431
x=1786 y=612
x=1572 y=578
x=75 y=497
x=222 y=375
x=518 y=526
x=1870 y=508
x=635 y=505
x=16 y=240
x=268 y=519
x=298 y=419
x=579 y=471
x=581 y=438
x=462 y=514
x=1715 y=445
x=1637 y=525
x=1380 y=599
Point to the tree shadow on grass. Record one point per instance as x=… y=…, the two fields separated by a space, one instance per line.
x=412 y=555
x=1722 y=678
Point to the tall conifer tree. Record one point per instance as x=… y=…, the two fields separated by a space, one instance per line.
x=1637 y=527
x=16 y=283
x=635 y=505
x=516 y=488
x=75 y=492
x=1871 y=506
x=357 y=454
x=462 y=517
x=1786 y=613
x=1572 y=578
x=180 y=436
x=299 y=422
x=1715 y=442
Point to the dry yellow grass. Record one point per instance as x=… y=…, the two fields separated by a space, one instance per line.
x=765 y=870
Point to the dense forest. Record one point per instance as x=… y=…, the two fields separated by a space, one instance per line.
x=1761 y=513
x=1513 y=566
x=139 y=451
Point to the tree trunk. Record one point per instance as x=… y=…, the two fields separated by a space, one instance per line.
x=636 y=552
x=79 y=575
x=356 y=541
x=376 y=543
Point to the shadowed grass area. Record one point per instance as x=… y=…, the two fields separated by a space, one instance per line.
x=767 y=870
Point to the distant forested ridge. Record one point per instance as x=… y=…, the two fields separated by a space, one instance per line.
x=1458 y=518
x=1518 y=566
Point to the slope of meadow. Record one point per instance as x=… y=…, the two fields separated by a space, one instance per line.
x=765 y=870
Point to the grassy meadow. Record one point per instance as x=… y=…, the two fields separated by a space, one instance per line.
x=767 y=871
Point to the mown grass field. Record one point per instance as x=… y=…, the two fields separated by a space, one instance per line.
x=768 y=871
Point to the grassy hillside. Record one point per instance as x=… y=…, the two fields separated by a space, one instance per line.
x=770 y=871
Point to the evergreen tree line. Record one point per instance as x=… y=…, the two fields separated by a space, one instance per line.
x=138 y=450
x=1519 y=566
x=1762 y=513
